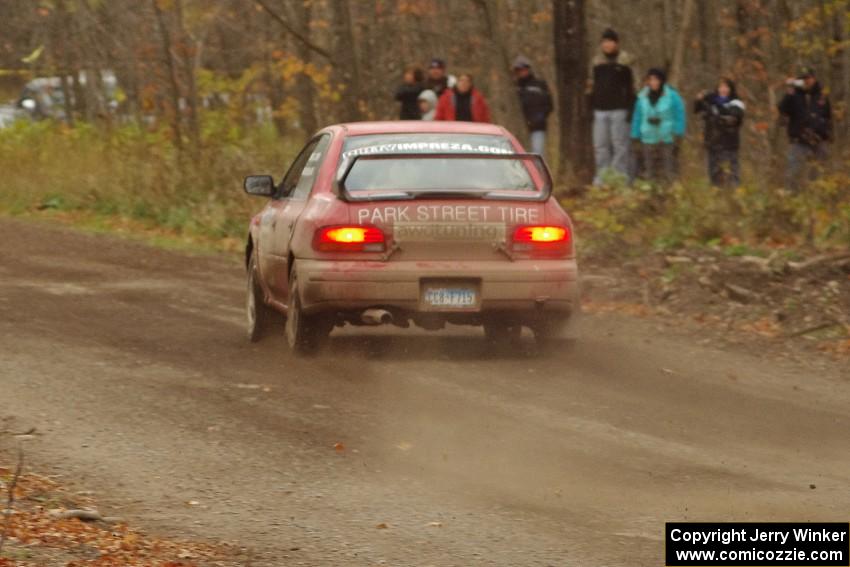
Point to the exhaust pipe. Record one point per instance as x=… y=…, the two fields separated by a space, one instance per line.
x=375 y=316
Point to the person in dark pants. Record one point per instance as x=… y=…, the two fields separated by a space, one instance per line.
x=408 y=93
x=723 y=113
x=809 y=116
x=536 y=102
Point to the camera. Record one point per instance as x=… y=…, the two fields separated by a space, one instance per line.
x=654 y=120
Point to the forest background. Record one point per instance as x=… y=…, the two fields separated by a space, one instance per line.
x=211 y=90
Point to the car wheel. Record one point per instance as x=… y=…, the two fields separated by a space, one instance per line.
x=261 y=318
x=304 y=333
x=500 y=332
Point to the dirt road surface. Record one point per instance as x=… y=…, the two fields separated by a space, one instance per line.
x=133 y=365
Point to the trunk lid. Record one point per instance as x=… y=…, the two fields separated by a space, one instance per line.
x=448 y=230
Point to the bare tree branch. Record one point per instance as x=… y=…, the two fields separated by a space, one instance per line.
x=294 y=32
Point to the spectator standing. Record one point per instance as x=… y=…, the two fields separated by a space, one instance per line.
x=427 y=104
x=723 y=113
x=438 y=80
x=612 y=96
x=809 y=116
x=536 y=102
x=658 y=122
x=463 y=103
x=408 y=93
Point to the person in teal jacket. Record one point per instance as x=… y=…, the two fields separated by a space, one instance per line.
x=658 y=123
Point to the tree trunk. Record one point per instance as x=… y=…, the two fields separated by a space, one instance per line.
x=273 y=77
x=502 y=94
x=667 y=18
x=681 y=42
x=570 y=39
x=165 y=37
x=63 y=37
x=841 y=71
x=305 y=92
x=345 y=58
x=754 y=84
x=188 y=47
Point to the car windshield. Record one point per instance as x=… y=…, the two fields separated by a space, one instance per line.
x=455 y=173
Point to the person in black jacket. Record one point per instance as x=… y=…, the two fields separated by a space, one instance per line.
x=723 y=113
x=536 y=102
x=438 y=80
x=408 y=93
x=809 y=116
x=612 y=96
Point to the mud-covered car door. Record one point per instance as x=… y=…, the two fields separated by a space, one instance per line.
x=295 y=190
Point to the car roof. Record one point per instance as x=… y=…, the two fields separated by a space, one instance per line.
x=420 y=127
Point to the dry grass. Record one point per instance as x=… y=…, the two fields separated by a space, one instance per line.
x=137 y=175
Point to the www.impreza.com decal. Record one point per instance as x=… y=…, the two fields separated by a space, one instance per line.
x=404 y=147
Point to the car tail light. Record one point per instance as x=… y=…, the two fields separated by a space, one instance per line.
x=542 y=239
x=541 y=234
x=350 y=239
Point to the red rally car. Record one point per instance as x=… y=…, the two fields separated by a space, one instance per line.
x=410 y=222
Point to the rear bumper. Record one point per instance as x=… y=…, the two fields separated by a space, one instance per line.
x=518 y=286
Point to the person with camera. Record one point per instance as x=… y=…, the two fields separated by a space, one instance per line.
x=723 y=113
x=809 y=116
x=658 y=124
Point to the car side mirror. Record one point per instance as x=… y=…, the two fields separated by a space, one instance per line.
x=261 y=185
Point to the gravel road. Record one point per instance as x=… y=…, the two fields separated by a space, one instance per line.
x=393 y=447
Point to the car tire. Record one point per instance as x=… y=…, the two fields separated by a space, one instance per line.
x=261 y=318
x=304 y=333
x=501 y=332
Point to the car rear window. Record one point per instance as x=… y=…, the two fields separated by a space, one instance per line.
x=474 y=173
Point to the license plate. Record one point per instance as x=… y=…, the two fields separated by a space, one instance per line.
x=449 y=297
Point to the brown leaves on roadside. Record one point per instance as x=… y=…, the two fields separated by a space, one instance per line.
x=632 y=309
x=766 y=327
x=88 y=544
x=838 y=349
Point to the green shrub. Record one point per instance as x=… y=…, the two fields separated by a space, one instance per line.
x=628 y=220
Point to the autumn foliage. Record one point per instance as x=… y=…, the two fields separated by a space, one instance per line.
x=38 y=536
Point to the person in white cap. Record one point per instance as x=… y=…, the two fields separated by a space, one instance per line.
x=427 y=104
